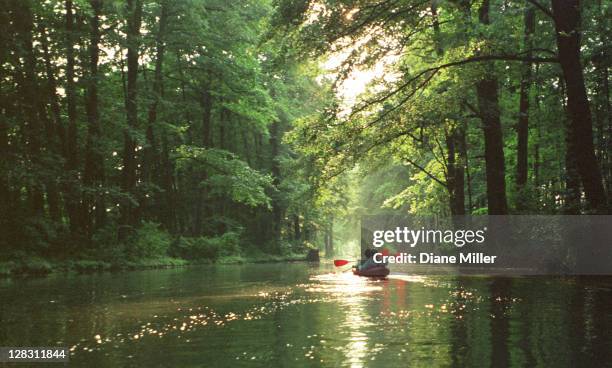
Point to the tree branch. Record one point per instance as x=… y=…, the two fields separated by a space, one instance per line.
x=430 y=175
x=542 y=8
x=433 y=70
x=473 y=109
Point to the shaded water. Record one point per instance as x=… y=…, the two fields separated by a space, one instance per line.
x=296 y=315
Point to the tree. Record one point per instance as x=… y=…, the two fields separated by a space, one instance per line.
x=522 y=153
x=221 y=125
x=566 y=15
x=72 y=150
x=94 y=175
x=129 y=215
x=488 y=104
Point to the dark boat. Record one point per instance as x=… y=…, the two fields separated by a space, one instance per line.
x=378 y=271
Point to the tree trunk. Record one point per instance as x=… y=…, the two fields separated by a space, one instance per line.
x=27 y=82
x=151 y=165
x=567 y=17
x=245 y=147
x=128 y=214
x=60 y=132
x=455 y=181
x=72 y=196
x=536 y=147
x=494 y=152
x=5 y=190
x=221 y=125
x=463 y=150
x=460 y=171
x=488 y=102
x=277 y=212
x=52 y=141
x=572 y=178
x=604 y=112
x=206 y=102
x=4 y=182
x=168 y=212
x=94 y=175
x=151 y=151
x=436 y=28
x=329 y=239
x=607 y=110
x=523 y=120
x=297 y=233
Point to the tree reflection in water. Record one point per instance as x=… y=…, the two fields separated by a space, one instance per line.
x=300 y=316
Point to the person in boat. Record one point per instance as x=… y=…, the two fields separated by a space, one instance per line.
x=368 y=262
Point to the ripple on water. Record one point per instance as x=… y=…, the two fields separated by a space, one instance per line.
x=341 y=284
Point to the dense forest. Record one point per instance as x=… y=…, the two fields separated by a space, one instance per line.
x=196 y=129
x=128 y=124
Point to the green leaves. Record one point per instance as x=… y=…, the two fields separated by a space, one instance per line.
x=225 y=174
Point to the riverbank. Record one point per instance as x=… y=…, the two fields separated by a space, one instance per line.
x=35 y=266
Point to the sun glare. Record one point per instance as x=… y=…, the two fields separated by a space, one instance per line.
x=360 y=78
x=349 y=15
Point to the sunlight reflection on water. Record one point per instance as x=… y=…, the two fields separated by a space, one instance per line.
x=364 y=306
x=302 y=315
x=352 y=292
x=343 y=283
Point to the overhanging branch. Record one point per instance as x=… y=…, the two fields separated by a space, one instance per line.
x=433 y=70
x=430 y=175
x=542 y=8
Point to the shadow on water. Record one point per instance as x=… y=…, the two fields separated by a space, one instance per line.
x=295 y=315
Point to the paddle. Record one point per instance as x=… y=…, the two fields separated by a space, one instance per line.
x=343 y=262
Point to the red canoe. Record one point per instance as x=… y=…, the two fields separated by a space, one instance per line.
x=378 y=271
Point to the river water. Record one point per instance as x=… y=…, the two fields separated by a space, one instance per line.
x=299 y=315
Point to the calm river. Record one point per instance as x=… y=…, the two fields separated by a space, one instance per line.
x=297 y=315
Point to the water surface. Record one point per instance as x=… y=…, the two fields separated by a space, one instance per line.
x=298 y=315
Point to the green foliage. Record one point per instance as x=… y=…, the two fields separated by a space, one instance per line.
x=427 y=94
x=211 y=84
x=6 y=268
x=237 y=122
x=88 y=265
x=149 y=241
x=206 y=248
x=34 y=266
x=105 y=238
x=39 y=233
x=226 y=174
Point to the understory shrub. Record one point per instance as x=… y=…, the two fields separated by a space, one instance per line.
x=209 y=248
x=35 y=266
x=149 y=241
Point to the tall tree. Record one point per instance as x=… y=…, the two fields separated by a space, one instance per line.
x=152 y=172
x=73 y=195
x=129 y=171
x=5 y=189
x=206 y=103
x=94 y=173
x=523 y=119
x=455 y=178
x=51 y=129
x=277 y=210
x=488 y=103
x=455 y=165
x=566 y=15
x=28 y=85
